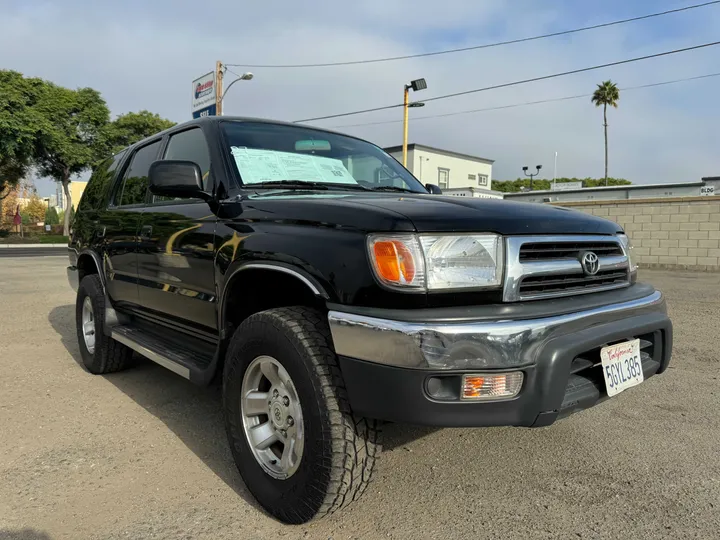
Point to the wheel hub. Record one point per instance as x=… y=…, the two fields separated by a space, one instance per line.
x=88 y=325
x=272 y=417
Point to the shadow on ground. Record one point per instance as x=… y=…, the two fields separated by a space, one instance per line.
x=23 y=534
x=193 y=413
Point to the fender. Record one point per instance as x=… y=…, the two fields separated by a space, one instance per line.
x=302 y=276
x=112 y=317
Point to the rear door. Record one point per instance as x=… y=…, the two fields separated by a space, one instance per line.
x=176 y=251
x=119 y=224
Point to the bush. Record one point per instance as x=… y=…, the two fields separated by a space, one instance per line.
x=51 y=217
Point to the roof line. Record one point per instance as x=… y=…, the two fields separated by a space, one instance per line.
x=412 y=146
x=605 y=188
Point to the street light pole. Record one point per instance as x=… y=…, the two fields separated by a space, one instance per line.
x=525 y=170
x=220 y=95
x=245 y=77
x=416 y=85
x=406 y=96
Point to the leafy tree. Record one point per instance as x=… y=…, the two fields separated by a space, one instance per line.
x=35 y=208
x=20 y=124
x=51 y=216
x=72 y=139
x=606 y=93
x=130 y=128
x=514 y=186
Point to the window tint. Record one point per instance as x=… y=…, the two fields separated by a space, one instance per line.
x=96 y=191
x=136 y=177
x=190 y=145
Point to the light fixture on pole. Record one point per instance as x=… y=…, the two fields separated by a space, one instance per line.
x=525 y=170
x=416 y=85
x=244 y=77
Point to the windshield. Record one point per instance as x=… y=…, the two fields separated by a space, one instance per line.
x=266 y=154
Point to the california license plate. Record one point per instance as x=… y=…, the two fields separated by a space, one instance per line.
x=622 y=366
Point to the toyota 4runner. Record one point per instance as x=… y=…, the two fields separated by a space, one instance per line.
x=330 y=291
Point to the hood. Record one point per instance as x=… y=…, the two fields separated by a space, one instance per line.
x=430 y=213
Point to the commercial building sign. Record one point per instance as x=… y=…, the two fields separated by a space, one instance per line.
x=566 y=186
x=707 y=190
x=204 y=92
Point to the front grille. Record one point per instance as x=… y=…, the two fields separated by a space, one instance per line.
x=566 y=283
x=543 y=251
x=541 y=267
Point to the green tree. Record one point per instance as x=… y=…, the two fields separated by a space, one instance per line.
x=35 y=208
x=51 y=216
x=72 y=138
x=130 y=128
x=515 y=186
x=606 y=93
x=20 y=125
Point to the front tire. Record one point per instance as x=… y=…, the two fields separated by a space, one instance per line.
x=100 y=353
x=323 y=458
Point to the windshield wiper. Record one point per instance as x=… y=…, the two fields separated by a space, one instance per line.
x=301 y=184
x=391 y=188
x=290 y=184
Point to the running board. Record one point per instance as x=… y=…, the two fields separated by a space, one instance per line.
x=180 y=355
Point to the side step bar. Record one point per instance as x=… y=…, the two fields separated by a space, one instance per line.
x=189 y=360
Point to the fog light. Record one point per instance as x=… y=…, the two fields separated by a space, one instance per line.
x=488 y=386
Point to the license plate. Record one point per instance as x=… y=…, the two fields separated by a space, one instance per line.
x=622 y=366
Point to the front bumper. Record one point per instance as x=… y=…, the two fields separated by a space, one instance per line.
x=410 y=371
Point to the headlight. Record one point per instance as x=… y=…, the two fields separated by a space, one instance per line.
x=436 y=262
x=629 y=251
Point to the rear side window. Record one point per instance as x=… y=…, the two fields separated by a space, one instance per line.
x=135 y=183
x=96 y=191
x=191 y=145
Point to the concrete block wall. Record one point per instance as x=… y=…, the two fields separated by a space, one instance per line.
x=674 y=233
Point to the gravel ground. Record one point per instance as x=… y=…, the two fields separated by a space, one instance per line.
x=142 y=454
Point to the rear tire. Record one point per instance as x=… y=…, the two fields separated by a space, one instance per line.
x=100 y=353
x=338 y=449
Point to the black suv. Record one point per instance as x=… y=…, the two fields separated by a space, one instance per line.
x=329 y=291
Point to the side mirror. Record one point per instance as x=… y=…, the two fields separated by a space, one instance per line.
x=171 y=178
x=433 y=189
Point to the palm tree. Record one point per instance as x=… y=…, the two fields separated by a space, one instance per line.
x=607 y=93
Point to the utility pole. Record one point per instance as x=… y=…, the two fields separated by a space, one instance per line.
x=218 y=88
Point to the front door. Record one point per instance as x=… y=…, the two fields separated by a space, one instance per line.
x=119 y=224
x=176 y=251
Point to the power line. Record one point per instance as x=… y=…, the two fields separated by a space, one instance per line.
x=524 y=81
x=476 y=47
x=524 y=104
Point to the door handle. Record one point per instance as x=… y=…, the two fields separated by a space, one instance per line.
x=146 y=232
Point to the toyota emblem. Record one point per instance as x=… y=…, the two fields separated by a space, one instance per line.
x=590 y=263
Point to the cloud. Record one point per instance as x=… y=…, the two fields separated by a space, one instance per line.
x=145 y=55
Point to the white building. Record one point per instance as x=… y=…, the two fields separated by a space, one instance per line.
x=707 y=186
x=445 y=168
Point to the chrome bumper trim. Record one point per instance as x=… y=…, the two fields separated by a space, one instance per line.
x=498 y=344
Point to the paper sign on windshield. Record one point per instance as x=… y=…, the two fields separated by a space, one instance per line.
x=257 y=166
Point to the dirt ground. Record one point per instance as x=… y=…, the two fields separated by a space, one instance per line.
x=142 y=454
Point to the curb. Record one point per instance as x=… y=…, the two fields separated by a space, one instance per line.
x=26 y=246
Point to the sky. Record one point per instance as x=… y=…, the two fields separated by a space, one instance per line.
x=144 y=55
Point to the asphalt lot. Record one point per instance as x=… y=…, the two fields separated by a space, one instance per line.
x=142 y=454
